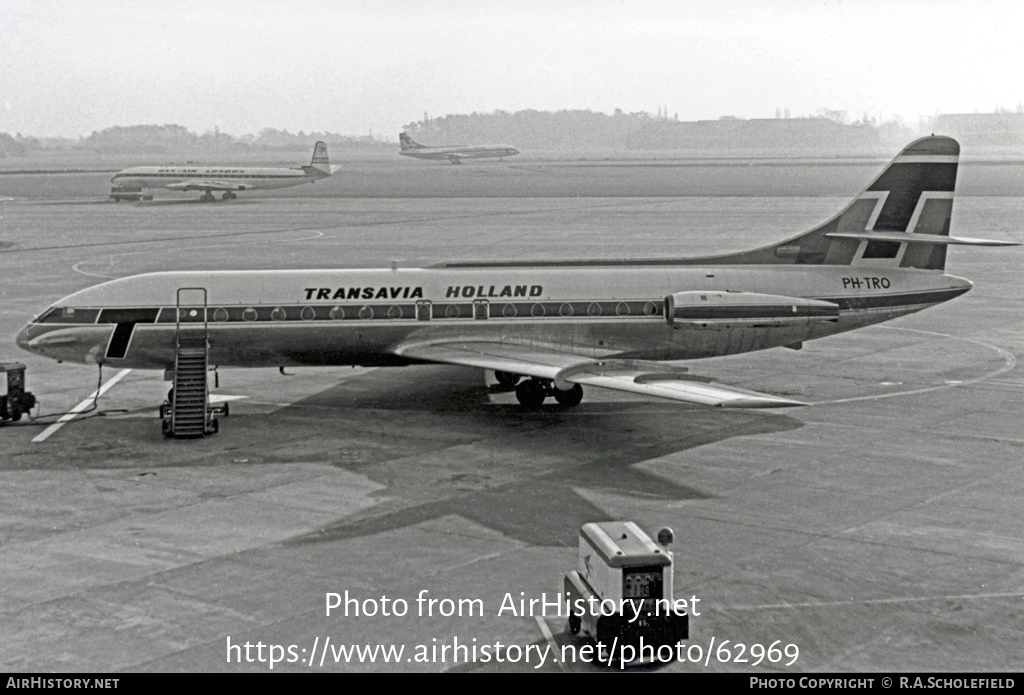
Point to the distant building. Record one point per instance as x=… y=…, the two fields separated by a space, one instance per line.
x=983 y=129
x=755 y=134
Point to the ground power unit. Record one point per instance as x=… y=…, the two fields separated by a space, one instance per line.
x=622 y=591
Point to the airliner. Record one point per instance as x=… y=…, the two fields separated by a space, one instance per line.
x=226 y=178
x=550 y=328
x=453 y=153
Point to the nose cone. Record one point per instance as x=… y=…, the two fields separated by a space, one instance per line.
x=23 y=338
x=36 y=338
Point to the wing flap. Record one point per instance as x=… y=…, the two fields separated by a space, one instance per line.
x=684 y=388
x=633 y=376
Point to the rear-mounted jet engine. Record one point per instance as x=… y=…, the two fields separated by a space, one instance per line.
x=720 y=309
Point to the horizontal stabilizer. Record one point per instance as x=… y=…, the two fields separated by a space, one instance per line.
x=633 y=376
x=903 y=237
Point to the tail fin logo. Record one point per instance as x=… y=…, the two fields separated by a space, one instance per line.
x=320 y=154
x=901 y=220
x=321 y=162
x=407 y=143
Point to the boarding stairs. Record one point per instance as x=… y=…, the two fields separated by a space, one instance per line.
x=188 y=412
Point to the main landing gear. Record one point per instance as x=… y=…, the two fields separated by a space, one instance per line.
x=507 y=378
x=209 y=197
x=532 y=392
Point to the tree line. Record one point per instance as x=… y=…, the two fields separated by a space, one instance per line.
x=158 y=139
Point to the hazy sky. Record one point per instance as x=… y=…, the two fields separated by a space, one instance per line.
x=71 y=67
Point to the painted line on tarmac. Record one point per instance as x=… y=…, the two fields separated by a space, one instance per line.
x=42 y=436
x=872 y=601
x=111 y=258
x=1009 y=362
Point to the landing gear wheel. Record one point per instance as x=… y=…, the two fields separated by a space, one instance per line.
x=214 y=426
x=569 y=398
x=166 y=427
x=531 y=393
x=227 y=410
x=227 y=196
x=206 y=198
x=507 y=378
x=170 y=396
x=575 y=623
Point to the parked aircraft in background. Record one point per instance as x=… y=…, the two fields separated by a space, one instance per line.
x=453 y=153
x=225 y=178
x=550 y=327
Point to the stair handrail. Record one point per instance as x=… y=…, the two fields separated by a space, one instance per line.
x=177 y=347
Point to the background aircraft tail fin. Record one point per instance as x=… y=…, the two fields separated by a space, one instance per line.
x=407 y=143
x=912 y=196
x=321 y=161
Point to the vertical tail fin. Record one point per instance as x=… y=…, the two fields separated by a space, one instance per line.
x=915 y=196
x=912 y=195
x=321 y=161
x=407 y=143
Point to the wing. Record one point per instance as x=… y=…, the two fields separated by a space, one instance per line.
x=635 y=376
x=200 y=185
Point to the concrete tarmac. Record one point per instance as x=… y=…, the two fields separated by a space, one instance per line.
x=877 y=530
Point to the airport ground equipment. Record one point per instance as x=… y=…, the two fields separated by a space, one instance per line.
x=620 y=567
x=129 y=193
x=187 y=412
x=17 y=401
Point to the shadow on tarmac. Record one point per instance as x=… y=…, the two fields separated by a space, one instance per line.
x=433 y=437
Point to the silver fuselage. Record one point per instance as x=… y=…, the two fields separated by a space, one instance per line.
x=249 y=177
x=459 y=152
x=275 y=318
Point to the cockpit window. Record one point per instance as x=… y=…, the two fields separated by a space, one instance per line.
x=59 y=314
x=129 y=315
